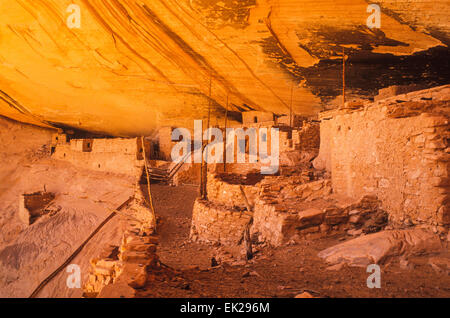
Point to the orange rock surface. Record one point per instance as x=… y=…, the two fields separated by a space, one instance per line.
x=136 y=65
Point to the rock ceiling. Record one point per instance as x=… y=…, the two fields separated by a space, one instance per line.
x=134 y=65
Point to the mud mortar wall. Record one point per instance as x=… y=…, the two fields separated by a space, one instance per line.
x=403 y=159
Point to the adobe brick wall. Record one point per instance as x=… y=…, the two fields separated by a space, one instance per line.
x=397 y=151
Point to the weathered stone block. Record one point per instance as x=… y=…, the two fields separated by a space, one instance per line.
x=310 y=217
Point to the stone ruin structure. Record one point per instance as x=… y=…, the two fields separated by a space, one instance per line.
x=34 y=205
x=377 y=165
x=396 y=149
x=118 y=267
x=375 y=171
x=298 y=140
x=363 y=176
x=115 y=155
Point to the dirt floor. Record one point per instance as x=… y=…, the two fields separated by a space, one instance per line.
x=274 y=272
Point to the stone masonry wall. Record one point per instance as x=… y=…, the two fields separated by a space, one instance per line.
x=119 y=270
x=308 y=137
x=118 y=155
x=230 y=195
x=256 y=117
x=215 y=223
x=398 y=151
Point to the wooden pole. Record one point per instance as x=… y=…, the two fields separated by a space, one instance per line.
x=201 y=169
x=290 y=107
x=205 y=165
x=246 y=235
x=225 y=139
x=343 y=77
x=209 y=102
x=150 y=203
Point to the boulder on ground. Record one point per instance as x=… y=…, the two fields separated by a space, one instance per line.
x=117 y=290
x=379 y=248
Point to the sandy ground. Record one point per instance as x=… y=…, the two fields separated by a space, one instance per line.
x=83 y=199
x=37 y=250
x=275 y=272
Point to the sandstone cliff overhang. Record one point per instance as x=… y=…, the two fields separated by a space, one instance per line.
x=132 y=66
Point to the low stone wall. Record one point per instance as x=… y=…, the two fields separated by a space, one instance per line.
x=129 y=263
x=277 y=223
x=104 y=271
x=396 y=151
x=189 y=174
x=303 y=186
x=215 y=223
x=236 y=168
x=220 y=219
x=223 y=193
x=297 y=187
x=137 y=255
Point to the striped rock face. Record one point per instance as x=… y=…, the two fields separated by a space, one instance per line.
x=125 y=67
